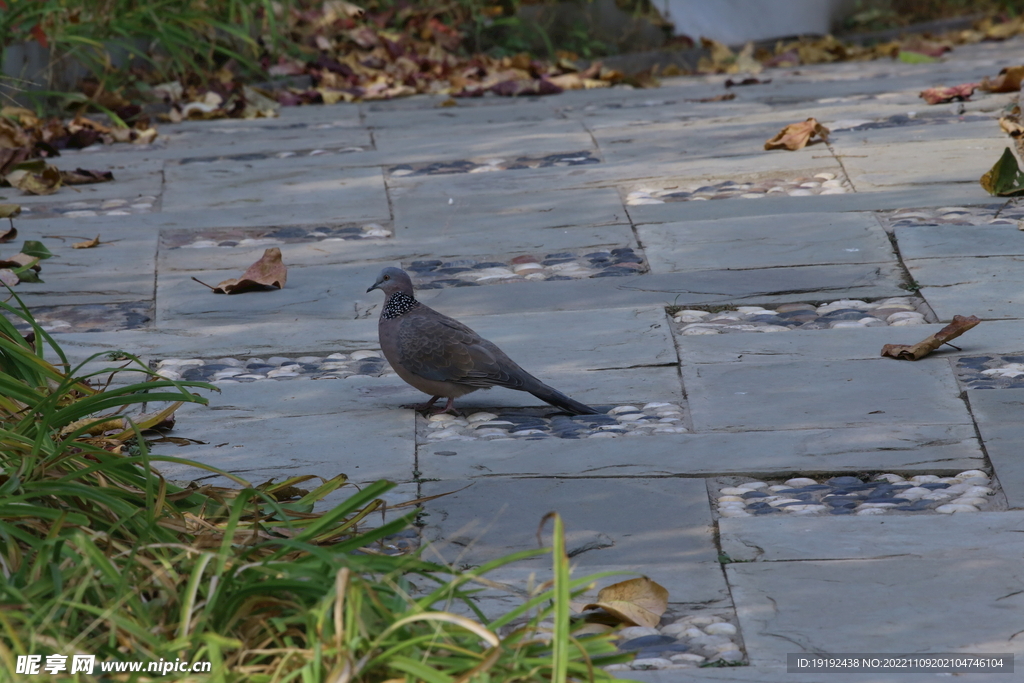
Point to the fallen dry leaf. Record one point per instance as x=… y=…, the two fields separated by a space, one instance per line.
x=917 y=351
x=948 y=94
x=639 y=602
x=798 y=135
x=1005 y=179
x=267 y=273
x=82 y=176
x=1008 y=80
x=724 y=97
x=9 y=234
x=89 y=244
x=34 y=177
x=729 y=83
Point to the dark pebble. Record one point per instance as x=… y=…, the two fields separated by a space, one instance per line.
x=800 y=502
x=765 y=318
x=227 y=243
x=555 y=261
x=257 y=367
x=425 y=264
x=598 y=255
x=644 y=642
x=917 y=506
x=195 y=374
x=844 y=481
x=467 y=283
x=841 y=511
x=215 y=367
x=614 y=272
x=447 y=282
x=552 y=278
x=283 y=233
x=844 y=315
x=840 y=501
x=595 y=419
x=754 y=494
x=451 y=270
x=809 y=487
x=935 y=485
x=757 y=505
x=489 y=264
x=887 y=500
x=767 y=510
x=562 y=254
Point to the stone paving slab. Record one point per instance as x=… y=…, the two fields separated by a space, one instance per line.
x=493 y=518
x=959 y=241
x=998 y=415
x=878 y=605
x=872 y=166
x=925 y=448
x=353 y=194
x=763 y=396
x=985 y=287
x=766 y=241
x=779 y=539
x=258 y=446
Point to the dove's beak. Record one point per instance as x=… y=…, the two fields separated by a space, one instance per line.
x=375 y=286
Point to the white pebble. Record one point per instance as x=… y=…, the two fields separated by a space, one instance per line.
x=938 y=495
x=914 y=493
x=671 y=430
x=528 y=432
x=800 y=193
x=969 y=500
x=810 y=507
x=687 y=657
x=443 y=434
x=907 y=322
x=924 y=479
x=282 y=373
x=441 y=417
x=651 y=663
x=700 y=619
x=891 y=478
x=167 y=373
x=631 y=632
x=977 y=491
x=230 y=372
x=337 y=356
x=870 y=511
x=825 y=176
x=731 y=655
x=720 y=629
x=725 y=647
x=734 y=513
x=865 y=506
x=733 y=491
x=360 y=355
x=629 y=417
x=800 y=481
x=950 y=508
x=780 y=501
x=971 y=473
x=679 y=630
x=653 y=406
x=481 y=417
x=602 y=435
x=623 y=409
x=698 y=331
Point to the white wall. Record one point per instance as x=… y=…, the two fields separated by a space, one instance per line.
x=736 y=21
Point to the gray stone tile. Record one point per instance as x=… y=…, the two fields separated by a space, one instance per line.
x=998 y=337
x=257 y=446
x=668 y=526
x=872 y=166
x=514 y=111
x=766 y=241
x=924 y=449
x=881 y=606
x=292 y=184
x=777 y=539
x=985 y=287
x=959 y=241
x=690 y=288
x=788 y=395
x=314 y=292
x=453 y=140
x=997 y=413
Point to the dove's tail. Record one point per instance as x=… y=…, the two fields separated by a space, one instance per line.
x=559 y=400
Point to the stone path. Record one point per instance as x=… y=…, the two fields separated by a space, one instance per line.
x=641 y=216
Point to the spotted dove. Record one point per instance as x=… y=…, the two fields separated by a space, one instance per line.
x=442 y=357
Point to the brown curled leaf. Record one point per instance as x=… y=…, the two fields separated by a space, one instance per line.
x=1008 y=80
x=948 y=94
x=83 y=176
x=267 y=273
x=88 y=244
x=797 y=135
x=638 y=601
x=917 y=351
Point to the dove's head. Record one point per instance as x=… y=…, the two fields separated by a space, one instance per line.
x=393 y=280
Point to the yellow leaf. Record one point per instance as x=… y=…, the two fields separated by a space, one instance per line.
x=640 y=602
x=89 y=244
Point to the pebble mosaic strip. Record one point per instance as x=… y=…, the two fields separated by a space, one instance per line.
x=493 y=164
x=257 y=156
x=245 y=237
x=885 y=493
x=992 y=214
x=845 y=313
x=822 y=183
x=97 y=207
x=240 y=370
x=563 y=265
x=899 y=121
x=531 y=423
x=684 y=643
x=89 y=317
x=991 y=372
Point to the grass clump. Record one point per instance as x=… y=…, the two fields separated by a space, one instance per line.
x=101 y=555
